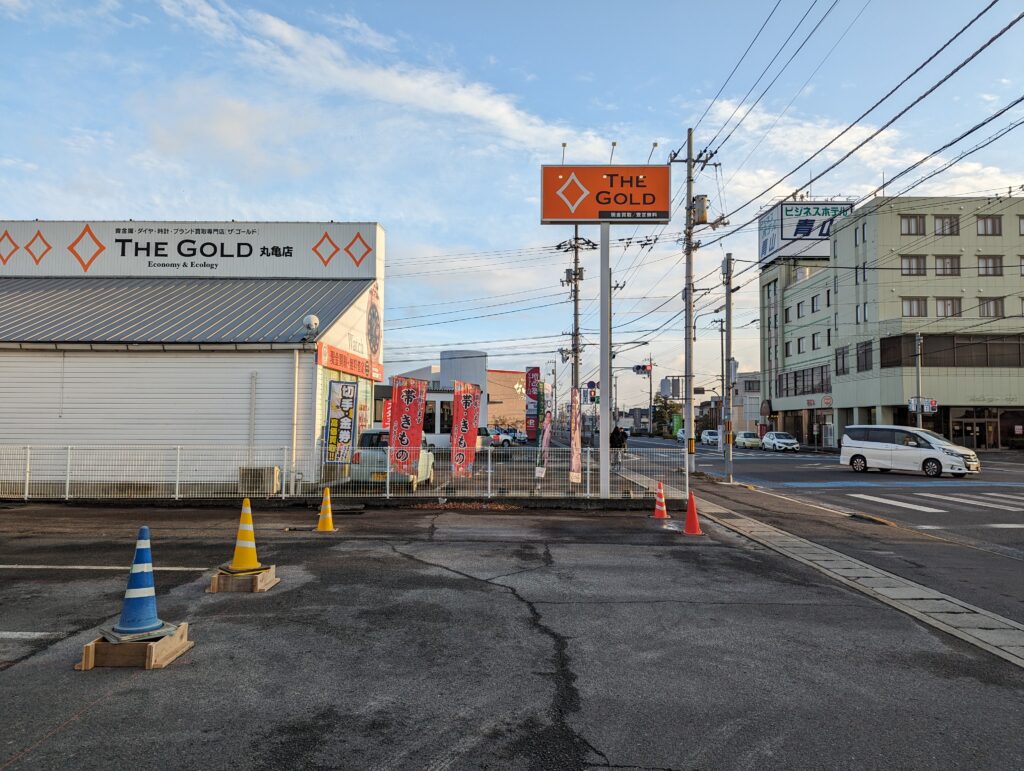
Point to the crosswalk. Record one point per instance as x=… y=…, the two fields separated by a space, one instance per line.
x=908 y=500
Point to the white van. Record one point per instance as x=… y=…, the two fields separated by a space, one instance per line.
x=906 y=449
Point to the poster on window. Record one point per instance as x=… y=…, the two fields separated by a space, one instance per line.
x=545 y=444
x=408 y=402
x=342 y=398
x=465 y=417
x=575 y=440
x=385 y=419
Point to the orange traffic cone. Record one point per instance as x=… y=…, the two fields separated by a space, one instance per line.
x=692 y=526
x=660 y=510
x=326 y=522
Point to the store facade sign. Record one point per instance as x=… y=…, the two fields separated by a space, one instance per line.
x=594 y=194
x=146 y=249
x=405 y=434
x=342 y=399
x=465 y=421
x=342 y=361
x=532 y=401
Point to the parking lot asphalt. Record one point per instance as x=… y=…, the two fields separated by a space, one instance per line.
x=479 y=639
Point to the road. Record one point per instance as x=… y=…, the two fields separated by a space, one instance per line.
x=479 y=639
x=968 y=534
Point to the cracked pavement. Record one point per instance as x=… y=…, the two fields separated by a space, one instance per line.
x=454 y=639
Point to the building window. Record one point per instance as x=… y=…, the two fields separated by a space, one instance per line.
x=1022 y=266
x=800 y=310
x=816 y=303
x=864 y=273
x=947 y=224
x=1020 y=224
x=915 y=306
x=864 y=313
x=913 y=266
x=947 y=265
x=787 y=314
x=990 y=266
x=864 y=232
x=912 y=225
x=835 y=322
x=828 y=292
x=856 y=236
x=990 y=225
x=751 y=386
x=948 y=307
x=816 y=341
x=842 y=365
x=990 y=308
x=446 y=417
x=857 y=314
x=800 y=347
x=828 y=336
x=789 y=348
x=864 y=356
x=856 y=275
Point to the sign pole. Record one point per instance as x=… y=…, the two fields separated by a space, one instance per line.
x=606 y=361
x=920 y=402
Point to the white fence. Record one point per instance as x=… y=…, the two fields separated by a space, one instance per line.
x=191 y=472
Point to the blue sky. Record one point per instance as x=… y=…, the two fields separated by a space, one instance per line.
x=433 y=119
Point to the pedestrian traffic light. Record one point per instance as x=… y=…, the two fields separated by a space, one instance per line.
x=593 y=394
x=648 y=368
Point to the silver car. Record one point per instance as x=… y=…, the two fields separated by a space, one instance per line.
x=370 y=462
x=779 y=441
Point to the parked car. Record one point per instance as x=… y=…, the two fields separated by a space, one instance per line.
x=521 y=437
x=779 y=441
x=906 y=449
x=747 y=439
x=499 y=439
x=681 y=435
x=709 y=436
x=370 y=462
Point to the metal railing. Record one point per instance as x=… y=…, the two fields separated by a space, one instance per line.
x=49 y=472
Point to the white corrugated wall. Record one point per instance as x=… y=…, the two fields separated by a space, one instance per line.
x=165 y=398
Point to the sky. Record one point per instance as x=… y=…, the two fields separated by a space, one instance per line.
x=434 y=119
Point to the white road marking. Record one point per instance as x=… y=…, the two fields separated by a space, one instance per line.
x=91 y=567
x=889 y=502
x=971 y=502
x=1007 y=526
x=1004 y=495
x=29 y=635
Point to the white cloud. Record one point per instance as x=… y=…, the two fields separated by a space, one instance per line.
x=324 y=66
x=17 y=163
x=357 y=31
x=989 y=97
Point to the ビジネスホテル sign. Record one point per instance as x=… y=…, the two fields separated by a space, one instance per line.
x=595 y=194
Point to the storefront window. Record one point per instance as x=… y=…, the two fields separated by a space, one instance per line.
x=446 y=417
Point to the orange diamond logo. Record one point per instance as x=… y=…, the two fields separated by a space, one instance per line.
x=98 y=248
x=7 y=247
x=43 y=247
x=366 y=249
x=321 y=248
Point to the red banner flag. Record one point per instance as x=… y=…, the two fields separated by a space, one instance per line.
x=465 y=418
x=408 y=402
x=385 y=419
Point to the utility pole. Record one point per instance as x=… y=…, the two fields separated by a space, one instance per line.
x=691 y=446
x=577 y=276
x=650 y=399
x=727 y=370
x=918 y=342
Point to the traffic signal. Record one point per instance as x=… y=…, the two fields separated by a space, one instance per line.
x=648 y=368
x=593 y=395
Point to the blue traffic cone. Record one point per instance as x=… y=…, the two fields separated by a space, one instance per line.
x=138 y=613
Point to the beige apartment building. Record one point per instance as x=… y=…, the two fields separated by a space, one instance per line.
x=838 y=328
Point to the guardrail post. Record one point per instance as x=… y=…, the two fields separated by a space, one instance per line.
x=589 y=450
x=177 y=473
x=284 y=473
x=490 y=451
x=28 y=467
x=67 y=477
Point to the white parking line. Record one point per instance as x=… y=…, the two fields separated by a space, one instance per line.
x=29 y=635
x=1007 y=525
x=971 y=502
x=902 y=505
x=91 y=567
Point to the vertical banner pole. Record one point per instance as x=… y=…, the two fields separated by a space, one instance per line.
x=606 y=363
x=490 y=451
x=67 y=477
x=28 y=468
x=177 y=472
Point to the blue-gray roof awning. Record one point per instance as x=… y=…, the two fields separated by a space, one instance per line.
x=170 y=311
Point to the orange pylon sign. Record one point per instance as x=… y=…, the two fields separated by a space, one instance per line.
x=660 y=510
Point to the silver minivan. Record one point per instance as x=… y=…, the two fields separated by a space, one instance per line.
x=905 y=448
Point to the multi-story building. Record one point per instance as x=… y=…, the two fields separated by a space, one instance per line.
x=746 y=401
x=839 y=329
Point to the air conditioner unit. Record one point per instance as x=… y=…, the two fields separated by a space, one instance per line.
x=259 y=480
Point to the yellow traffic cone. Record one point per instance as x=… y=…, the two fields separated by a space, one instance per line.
x=326 y=522
x=245 y=559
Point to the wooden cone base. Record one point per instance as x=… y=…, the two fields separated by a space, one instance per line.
x=254 y=582
x=148 y=655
